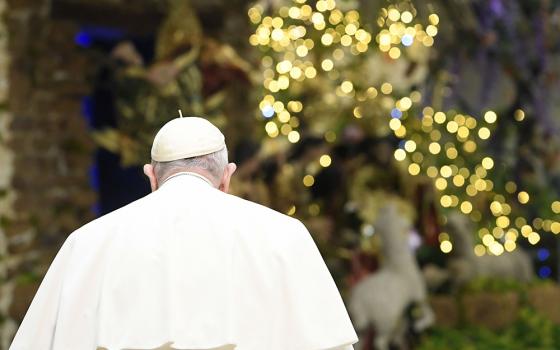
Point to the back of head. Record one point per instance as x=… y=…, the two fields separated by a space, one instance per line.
x=189 y=144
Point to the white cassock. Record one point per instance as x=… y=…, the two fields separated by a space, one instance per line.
x=191 y=267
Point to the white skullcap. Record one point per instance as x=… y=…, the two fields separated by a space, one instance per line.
x=185 y=138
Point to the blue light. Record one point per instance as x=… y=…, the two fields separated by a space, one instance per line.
x=401 y=144
x=268 y=111
x=94 y=177
x=83 y=39
x=407 y=40
x=543 y=254
x=88 y=34
x=87 y=110
x=545 y=272
x=96 y=209
x=396 y=113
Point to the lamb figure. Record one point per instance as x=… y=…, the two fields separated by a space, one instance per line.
x=381 y=299
x=464 y=265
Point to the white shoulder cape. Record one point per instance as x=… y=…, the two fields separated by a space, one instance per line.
x=191 y=267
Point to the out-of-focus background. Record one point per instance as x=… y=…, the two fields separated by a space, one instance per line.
x=417 y=140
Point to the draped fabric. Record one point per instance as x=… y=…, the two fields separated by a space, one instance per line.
x=188 y=267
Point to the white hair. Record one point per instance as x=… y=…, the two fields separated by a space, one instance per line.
x=213 y=163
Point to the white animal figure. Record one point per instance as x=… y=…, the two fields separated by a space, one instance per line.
x=464 y=265
x=382 y=298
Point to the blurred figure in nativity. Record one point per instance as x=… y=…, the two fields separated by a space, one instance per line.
x=190 y=72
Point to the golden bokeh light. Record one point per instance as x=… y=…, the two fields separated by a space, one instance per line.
x=414 y=169
x=484 y=133
x=466 y=207
x=523 y=197
x=533 y=238
x=519 y=115
x=488 y=163
x=446 y=246
x=490 y=117
x=308 y=180
x=400 y=154
x=325 y=160
x=479 y=250
x=555 y=206
x=293 y=136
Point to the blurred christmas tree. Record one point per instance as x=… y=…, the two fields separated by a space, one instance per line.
x=468 y=112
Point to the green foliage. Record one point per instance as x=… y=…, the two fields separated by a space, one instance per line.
x=501 y=285
x=495 y=285
x=530 y=331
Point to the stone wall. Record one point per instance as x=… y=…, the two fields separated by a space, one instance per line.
x=49 y=150
x=6 y=169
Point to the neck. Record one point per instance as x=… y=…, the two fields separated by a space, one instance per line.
x=204 y=175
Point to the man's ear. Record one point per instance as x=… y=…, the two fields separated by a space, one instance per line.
x=150 y=173
x=226 y=178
